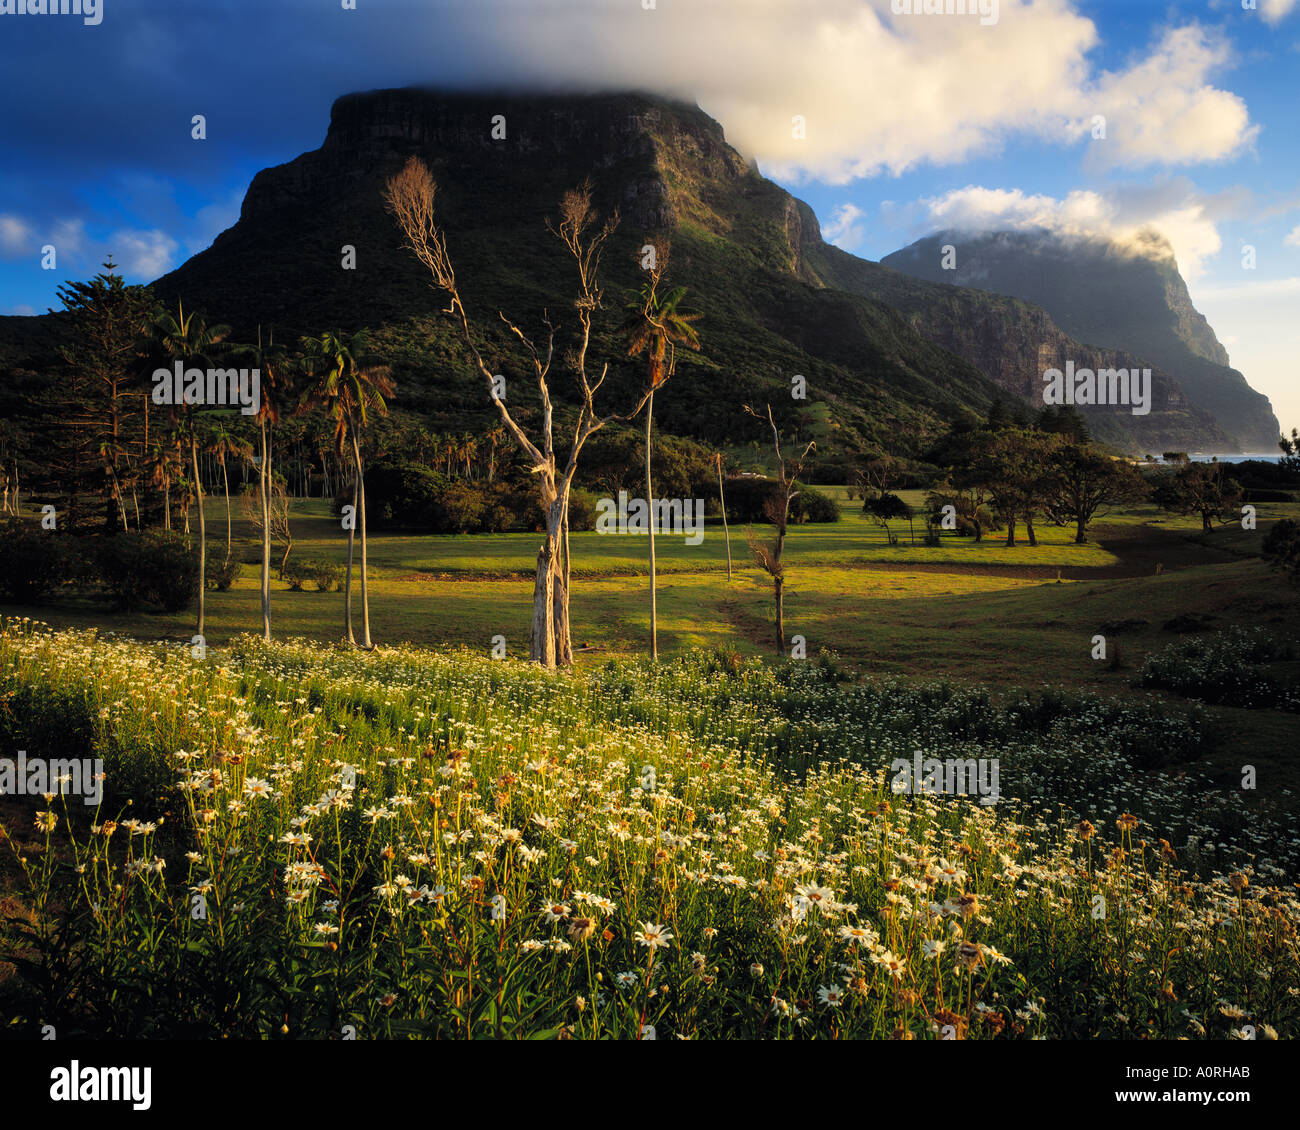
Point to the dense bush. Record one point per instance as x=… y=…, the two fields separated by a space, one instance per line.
x=220 y=573
x=1282 y=546
x=322 y=575
x=410 y=496
x=158 y=567
x=400 y=495
x=33 y=561
x=747 y=501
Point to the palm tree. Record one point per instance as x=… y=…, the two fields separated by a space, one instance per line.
x=189 y=339
x=468 y=452
x=160 y=472
x=495 y=437
x=274 y=369
x=655 y=327
x=225 y=444
x=349 y=385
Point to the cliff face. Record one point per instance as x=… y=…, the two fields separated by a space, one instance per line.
x=1013 y=342
x=1127 y=298
x=892 y=357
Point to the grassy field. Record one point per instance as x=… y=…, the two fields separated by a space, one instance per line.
x=499 y=866
x=962 y=609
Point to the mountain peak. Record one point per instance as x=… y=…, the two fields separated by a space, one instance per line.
x=660 y=145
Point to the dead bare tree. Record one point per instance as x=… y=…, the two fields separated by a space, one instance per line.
x=277 y=508
x=409 y=196
x=769 y=556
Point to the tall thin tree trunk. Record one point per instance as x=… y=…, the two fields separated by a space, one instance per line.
x=563 y=635
x=361 y=516
x=778 y=583
x=726 y=533
x=347 y=580
x=649 y=498
x=226 y=482
x=264 y=490
x=203 y=531
x=541 y=636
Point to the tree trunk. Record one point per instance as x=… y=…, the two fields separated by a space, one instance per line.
x=726 y=533
x=778 y=585
x=361 y=516
x=541 y=635
x=1029 y=529
x=203 y=531
x=347 y=579
x=560 y=596
x=1011 y=529
x=225 y=479
x=264 y=490
x=1080 y=526
x=649 y=498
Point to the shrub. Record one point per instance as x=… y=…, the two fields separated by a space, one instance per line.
x=813 y=506
x=1282 y=546
x=459 y=508
x=323 y=575
x=220 y=574
x=582 y=510
x=747 y=501
x=157 y=567
x=33 y=561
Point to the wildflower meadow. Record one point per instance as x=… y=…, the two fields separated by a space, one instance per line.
x=311 y=843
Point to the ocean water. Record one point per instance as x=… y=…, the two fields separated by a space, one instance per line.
x=1262 y=457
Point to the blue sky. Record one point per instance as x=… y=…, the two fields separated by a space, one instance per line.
x=911 y=121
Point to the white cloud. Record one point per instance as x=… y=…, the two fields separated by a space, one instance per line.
x=20 y=238
x=1163 y=111
x=844 y=228
x=1292 y=239
x=68 y=238
x=1125 y=215
x=22 y=309
x=145 y=254
x=16 y=237
x=1275 y=11
x=885 y=93
x=138 y=253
